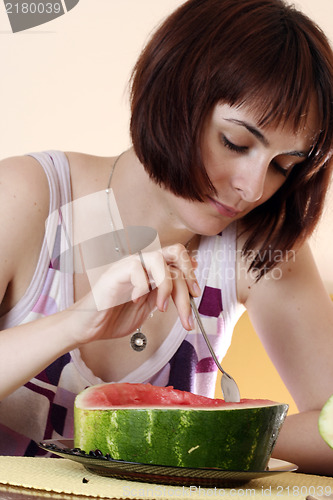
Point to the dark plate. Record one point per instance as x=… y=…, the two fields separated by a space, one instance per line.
x=162 y=474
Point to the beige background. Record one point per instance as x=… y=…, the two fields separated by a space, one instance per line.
x=63 y=85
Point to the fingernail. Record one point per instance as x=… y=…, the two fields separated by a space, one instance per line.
x=166 y=304
x=191 y=321
x=196 y=288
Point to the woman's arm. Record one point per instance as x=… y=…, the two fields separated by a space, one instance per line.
x=27 y=349
x=299 y=442
x=293 y=316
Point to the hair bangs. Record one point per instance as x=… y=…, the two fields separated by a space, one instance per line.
x=275 y=80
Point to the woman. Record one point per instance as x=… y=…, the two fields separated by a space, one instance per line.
x=232 y=117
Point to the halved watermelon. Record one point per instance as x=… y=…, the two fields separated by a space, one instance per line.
x=164 y=426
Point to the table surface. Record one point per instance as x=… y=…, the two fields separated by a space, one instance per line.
x=24 y=478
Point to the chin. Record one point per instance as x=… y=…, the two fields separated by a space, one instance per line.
x=211 y=229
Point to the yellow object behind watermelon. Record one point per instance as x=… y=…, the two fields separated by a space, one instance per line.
x=325 y=422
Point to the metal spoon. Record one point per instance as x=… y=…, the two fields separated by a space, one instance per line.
x=228 y=385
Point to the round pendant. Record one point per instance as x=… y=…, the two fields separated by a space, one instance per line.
x=138 y=341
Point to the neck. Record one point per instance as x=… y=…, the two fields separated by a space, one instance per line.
x=150 y=204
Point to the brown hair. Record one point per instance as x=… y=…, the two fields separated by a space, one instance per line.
x=264 y=53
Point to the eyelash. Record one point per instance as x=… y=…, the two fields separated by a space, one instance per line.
x=234 y=147
x=244 y=149
x=281 y=170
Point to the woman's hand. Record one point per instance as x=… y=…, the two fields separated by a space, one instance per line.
x=132 y=288
x=124 y=292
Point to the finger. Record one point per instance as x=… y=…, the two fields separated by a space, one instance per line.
x=145 y=269
x=123 y=281
x=172 y=270
x=181 y=298
x=139 y=276
x=178 y=256
x=159 y=276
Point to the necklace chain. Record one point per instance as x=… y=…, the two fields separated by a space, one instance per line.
x=107 y=191
x=112 y=170
x=138 y=339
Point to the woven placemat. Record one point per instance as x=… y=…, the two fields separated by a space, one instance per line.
x=62 y=476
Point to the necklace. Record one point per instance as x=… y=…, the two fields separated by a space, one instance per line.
x=138 y=340
x=108 y=191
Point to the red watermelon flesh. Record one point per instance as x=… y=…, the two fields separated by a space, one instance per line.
x=146 y=395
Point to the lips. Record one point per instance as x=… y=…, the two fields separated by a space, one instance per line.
x=224 y=210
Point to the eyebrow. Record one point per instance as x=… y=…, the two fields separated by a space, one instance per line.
x=256 y=132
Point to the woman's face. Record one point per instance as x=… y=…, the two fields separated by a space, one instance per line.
x=246 y=164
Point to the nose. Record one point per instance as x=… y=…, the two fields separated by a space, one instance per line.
x=249 y=180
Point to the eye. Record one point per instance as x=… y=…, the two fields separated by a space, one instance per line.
x=282 y=170
x=233 y=147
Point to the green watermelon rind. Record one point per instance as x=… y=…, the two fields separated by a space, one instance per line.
x=230 y=439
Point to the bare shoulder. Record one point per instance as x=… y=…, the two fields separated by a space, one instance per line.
x=293 y=286
x=19 y=170
x=24 y=189
x=88 y=172
x=292 y=272
x=24 y=204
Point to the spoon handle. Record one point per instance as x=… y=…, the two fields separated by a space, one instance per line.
x=228 y=385
x=202 y=329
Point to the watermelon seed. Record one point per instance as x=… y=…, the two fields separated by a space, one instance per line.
x=76 y=451
x=84 y=480
x=96 y=453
